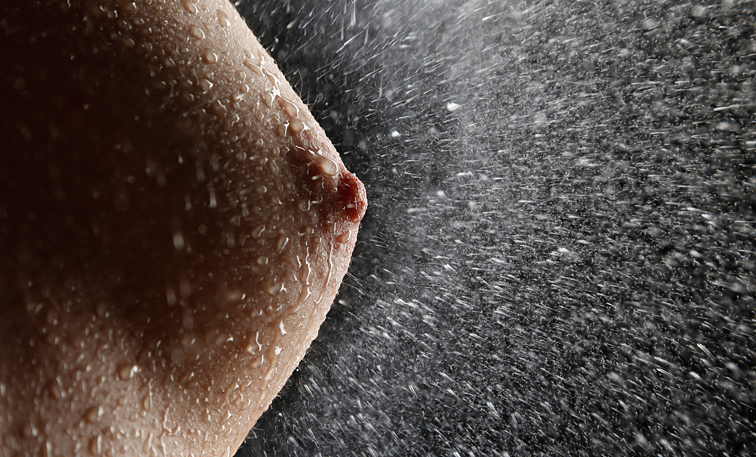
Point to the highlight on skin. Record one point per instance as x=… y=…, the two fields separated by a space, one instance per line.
x=174 y=226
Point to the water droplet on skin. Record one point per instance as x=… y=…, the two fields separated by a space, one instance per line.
x=147 y=402
x=273 y=168
x=126 y=371
x=220 y=337
x=304 y=205
x=288 y=107
x=268 y=100
x=235 y=296
x=223 y=19
x=33 y=308
x=92 y=414
x=296 y=126
x=282 y=242
x=189 y=6
x=170 y=295
x=95 y=445
x=327 y=166
x=55 y=388
x=258 y=231
x=251 y=343
x=218 y=108
x=213 y=201
x=273 y=80
x=196 y=32
x=276 y=288
x=344 y=237
x=205 y=84
x=178 y=241
x=209 y=56
x=130 y=7
x=262 y=260
x=186 y=377
x=255 y=69
x=102 y=309
x=29 y=431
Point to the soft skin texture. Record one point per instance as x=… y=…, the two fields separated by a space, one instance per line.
x=173 y=227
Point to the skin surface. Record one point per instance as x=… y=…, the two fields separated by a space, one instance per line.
x=174 y=226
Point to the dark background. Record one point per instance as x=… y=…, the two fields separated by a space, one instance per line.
x=558 y=257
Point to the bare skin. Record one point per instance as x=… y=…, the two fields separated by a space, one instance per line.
x=174 y=226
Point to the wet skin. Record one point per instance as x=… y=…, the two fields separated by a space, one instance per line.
x=173 y=227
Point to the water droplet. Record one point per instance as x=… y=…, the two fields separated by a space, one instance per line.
x=296 y=126
x=33 y=307
x=186 y=377
x=92 y=414
x=29 y=431
x=344 y=237
x=102 y=309
x=273 y=168
x=209 y=56
x=234 y=296
x=223 y=19
x=258 y=231
x=288 y=107
x=178 y=241
x=262 y=260
x=282 y=242
x=220 y=337
x=147 y=402
x=194 y=30
x=126 y=371
x=255 y=69
x=327 y=166
x=205 y=84
x=56 y=388
x=213 y=201
x=95 y=445
x=275 y=288
x=170 y=295
x=304 y=205
x=189 y=6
